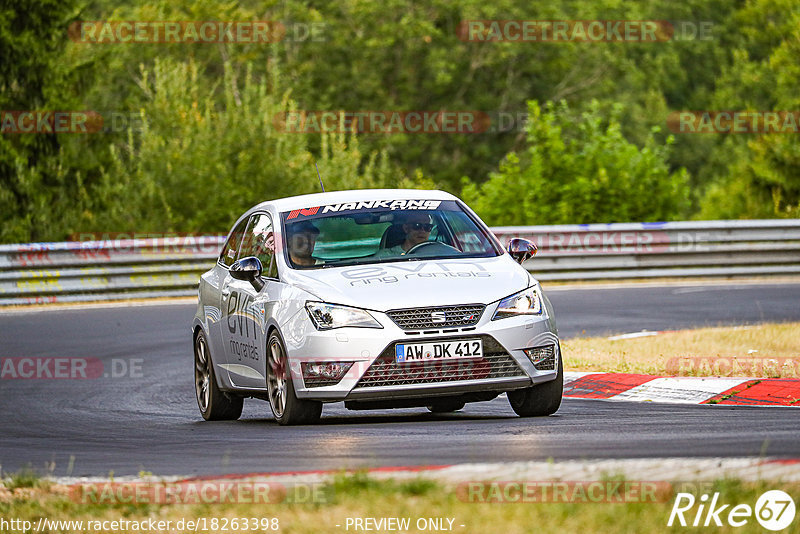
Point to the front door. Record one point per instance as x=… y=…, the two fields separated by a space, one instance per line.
x=244 y=308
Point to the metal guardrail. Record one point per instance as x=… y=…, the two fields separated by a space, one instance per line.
x=171 y=266
x=658 y=250
x=80 y=271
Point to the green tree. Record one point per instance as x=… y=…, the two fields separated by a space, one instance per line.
x=761 y=177
x=198 y=163
x=579 y=168
x=35 y=191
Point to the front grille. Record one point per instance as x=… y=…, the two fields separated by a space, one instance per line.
x=496 y=363
x=543 y=358
x=437 y=316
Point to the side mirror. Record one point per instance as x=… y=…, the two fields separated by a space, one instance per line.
x=249 y=270
x=521 y=249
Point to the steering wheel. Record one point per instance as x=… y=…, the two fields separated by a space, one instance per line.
x=424 y=244
x=419 y=246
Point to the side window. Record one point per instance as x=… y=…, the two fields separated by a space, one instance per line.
x=231 y=247
x=259 y=241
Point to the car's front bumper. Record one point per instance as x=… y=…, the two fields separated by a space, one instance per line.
x=370 y=347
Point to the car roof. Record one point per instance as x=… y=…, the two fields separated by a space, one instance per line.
x=337 y=197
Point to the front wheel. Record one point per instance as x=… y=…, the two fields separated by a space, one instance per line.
x=287 y=408
x=541 y=399
x=214 y=404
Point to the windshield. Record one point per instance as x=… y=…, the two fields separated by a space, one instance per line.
x=358 y=233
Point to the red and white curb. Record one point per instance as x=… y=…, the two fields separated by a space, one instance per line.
x=683 y=390
x=666 y=469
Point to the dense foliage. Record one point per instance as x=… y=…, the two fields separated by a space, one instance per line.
x=580 y=169
x=195 y=142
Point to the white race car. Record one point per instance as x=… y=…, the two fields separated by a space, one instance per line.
x=378 y=298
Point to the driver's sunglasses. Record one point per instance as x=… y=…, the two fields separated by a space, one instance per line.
x=422 y=226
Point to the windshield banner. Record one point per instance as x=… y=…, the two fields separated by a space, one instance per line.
x=348 y=208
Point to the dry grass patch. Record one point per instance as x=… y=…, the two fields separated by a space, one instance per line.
x=759 y=351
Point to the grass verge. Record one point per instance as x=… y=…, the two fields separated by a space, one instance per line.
x=360 y=496
x=759 y=351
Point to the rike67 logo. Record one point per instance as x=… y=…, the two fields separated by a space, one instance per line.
x=774 y=510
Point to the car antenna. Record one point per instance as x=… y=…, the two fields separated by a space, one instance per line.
x=320 y=177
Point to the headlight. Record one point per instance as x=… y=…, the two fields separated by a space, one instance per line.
x=327 y=316
x=526 y=302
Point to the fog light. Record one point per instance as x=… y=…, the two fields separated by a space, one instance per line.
x=543 y=358
x=325 y=370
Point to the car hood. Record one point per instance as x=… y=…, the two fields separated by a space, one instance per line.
x=411 y=284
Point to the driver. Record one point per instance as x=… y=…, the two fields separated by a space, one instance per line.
x=417 y=227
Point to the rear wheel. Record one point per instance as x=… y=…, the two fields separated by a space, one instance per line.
x=287 y=408
x=446 y=405
x=214 y=404
x=541 y=399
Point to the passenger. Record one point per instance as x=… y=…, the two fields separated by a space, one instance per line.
x=301 y=237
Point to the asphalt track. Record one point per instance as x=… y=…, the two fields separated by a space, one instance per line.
x=151 y=422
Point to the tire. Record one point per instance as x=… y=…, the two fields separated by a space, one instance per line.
x=286 y=407
x=214 y=404
x=541 y=399
x=446 y=406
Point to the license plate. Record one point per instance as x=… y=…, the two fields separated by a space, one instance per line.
x=440 y=350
